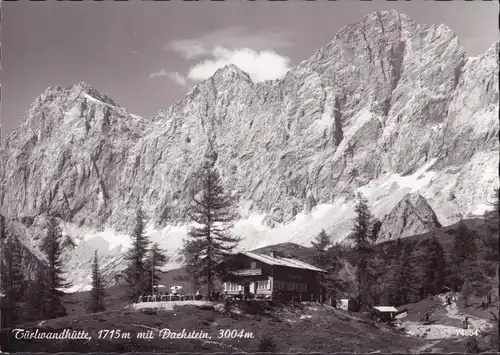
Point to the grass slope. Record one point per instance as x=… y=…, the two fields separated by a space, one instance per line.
x=295 y=328
x=324 y=330
x=75 y=303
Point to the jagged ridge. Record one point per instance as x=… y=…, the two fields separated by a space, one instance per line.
x=385 y=99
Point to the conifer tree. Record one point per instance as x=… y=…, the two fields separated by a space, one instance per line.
x=397 y=253
x=155 y=260
x=12 y=281
x=210 y=241
x=482 y=276
x=406 y=290
x=325 y=260
x=136 y=273
x=98 y=292
x=435 y=268
x=321 y=243
x=332 y=284
x=391 y=278
x=51 y=247
x=36 y=295
x=465 y=243
x=464 y=251
x=361 y=236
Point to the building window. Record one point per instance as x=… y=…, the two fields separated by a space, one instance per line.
x=231 y=286
x=279 y=285
x=263 y=285
x=253 y=265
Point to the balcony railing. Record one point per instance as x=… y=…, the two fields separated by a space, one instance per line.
x=248 y=272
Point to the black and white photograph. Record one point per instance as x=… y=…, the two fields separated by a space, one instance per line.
x=249 y=176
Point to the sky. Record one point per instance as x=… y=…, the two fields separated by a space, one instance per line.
x=147 y=55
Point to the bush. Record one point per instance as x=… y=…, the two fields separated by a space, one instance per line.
x=267 y=344
x=472 y=346
x=228 y=306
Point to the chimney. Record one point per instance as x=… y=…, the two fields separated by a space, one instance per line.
x=272 y=254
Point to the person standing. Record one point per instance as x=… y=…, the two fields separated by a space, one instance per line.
x=466 y=323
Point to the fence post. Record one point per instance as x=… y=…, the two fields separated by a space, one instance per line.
x=300 y=295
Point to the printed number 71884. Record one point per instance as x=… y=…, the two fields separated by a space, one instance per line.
x=467 y=332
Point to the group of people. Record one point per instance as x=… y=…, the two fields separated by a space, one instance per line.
x=157 y=296
x=449 y=300
x=174 y=294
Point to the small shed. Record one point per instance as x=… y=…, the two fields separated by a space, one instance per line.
x=384 y=313
x=346 y=304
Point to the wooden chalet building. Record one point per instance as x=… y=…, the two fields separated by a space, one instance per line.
x=272 y=277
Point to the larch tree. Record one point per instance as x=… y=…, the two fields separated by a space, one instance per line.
x=361 y=237
x=210 y=240
x=52 y=248
x=98 y=292
x=136 y=273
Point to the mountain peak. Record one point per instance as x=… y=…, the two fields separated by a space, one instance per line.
x=83 y=88
x=380 y=19
x=231 y=72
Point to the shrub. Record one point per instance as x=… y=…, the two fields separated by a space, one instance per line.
x=228 y=306
x=267 y=344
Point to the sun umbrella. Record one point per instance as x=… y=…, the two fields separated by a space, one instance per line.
x=175 y=289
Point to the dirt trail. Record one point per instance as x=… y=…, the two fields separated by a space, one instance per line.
x=431 y=331
x=442 y=331
x=474 y=322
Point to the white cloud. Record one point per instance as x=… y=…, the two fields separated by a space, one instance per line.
x=189 y=48
x=159 y=74
x=175 y=76
x=260 y=65
x=254 y=52
x=230 y=37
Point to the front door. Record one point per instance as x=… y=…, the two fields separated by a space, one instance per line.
x=246 y=288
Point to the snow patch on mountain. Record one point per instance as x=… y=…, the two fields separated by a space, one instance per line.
x=335 y=218
x=93 y=99
x=388 y=108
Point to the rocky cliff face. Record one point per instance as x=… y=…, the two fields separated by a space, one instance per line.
x=66 y=156
x=389 y=107
x=15 y=232
x=411 y=216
